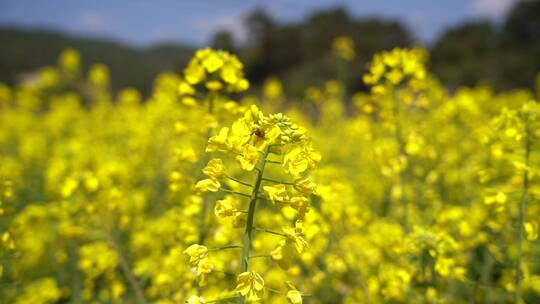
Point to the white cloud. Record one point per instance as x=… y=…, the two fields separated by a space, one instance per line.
x=93 y=20
x=495 y=9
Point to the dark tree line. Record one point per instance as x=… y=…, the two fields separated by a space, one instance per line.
x=505 y=55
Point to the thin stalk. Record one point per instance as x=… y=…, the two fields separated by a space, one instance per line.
x=275 y=201
x=235 y=192
x=276 y=181
x=424 y=281
x=283 y=292
x=522 y=215
x=133 y=282
x=260 y=256
x=225 y=247
x=487 y=268
x=402 y=175
x=75 y=275
x=268 y=231
x=211 y=105
x=247 y=239
x=402 y=178
x=222 y=299
x=423 y=265
x=275 y=290
x=202 y=222
x=239 y=181
x=224 y=272
x=204 y=210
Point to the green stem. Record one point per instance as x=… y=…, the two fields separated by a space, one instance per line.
x=75 y=275
x=225 y=247
x=204 y=209
x=260 y=256
x=239 y=181
x=268 y=231
x=211 y=98
x=222 y=299
x=276 y=181
x=234 y=192
x=247 y=239
x=522 y=215
x=402 y=174
x=274 y=290
x=423 y=263
x=202 y=221
x=126 y=269
x=398 y=135
x=276 y=201
x=224 y=272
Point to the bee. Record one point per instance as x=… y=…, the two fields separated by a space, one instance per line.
x=258 y=133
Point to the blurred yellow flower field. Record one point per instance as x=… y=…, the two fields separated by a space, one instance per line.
x=208 y=192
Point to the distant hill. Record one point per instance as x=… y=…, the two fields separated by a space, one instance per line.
x=25 y=50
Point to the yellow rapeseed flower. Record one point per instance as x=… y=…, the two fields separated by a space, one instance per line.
x=250 y=285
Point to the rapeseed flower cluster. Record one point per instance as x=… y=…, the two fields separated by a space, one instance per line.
x=257 y=141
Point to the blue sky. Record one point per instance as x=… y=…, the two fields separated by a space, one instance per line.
x=143 y=22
